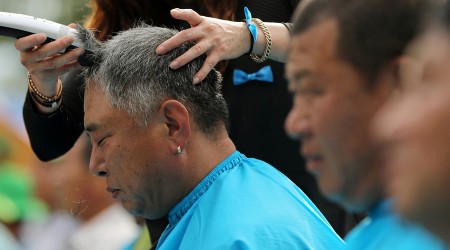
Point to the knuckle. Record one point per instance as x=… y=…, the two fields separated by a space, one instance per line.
x=212 y=28
x=198 y=49
x=50 y=64
x=32 y=71
x=23 y=60
x=18 y=46
x=190 y=11
x=210 y=64
x=185 y=34
x=209 y=29
x=40 y=55
x=222 y=48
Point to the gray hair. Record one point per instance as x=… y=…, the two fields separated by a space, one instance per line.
x=136 y=79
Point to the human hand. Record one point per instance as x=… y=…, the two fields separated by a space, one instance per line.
x=219 y=39
x=43 y=61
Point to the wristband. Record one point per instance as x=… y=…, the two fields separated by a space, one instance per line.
x=49 y=102
x=251 y=27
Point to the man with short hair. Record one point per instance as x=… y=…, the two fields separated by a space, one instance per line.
x=414 y=131
x=342 y=65
x=162 y=145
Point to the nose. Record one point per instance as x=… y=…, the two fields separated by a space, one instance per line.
x=97 y=166
x=297 y=123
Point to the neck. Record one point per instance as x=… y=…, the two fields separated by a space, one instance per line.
x=204 y=154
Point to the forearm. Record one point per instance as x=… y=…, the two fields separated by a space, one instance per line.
x=280 y=41
x=50 y=135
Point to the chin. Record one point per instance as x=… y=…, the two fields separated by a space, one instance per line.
x=347 y=202
x=332 y=194
x=409 y=210
x=330 y=189
x=131 y=207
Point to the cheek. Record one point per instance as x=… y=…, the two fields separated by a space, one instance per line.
x=333 y=128
x=331 y=181
x=421 y=175
x=129 y=163
x=334 y=117
x=117 y=157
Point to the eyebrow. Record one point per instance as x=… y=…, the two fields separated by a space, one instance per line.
x=301 y=74
x=297 y=78
x=91 y=127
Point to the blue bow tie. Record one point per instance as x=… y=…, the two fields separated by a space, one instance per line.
x=264 y=74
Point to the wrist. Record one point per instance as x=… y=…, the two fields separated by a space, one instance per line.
x=44 y=110
x=267 y=39
x=252 y=29
x=49 y=88
x=260 y=45
x=246 y=39
x=45 y=102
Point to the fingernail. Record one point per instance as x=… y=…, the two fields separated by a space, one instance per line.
x=160 y=50
x=67 y=40
x=173 y=65
x=80 y=51
x=175 y=11
x=196 y=80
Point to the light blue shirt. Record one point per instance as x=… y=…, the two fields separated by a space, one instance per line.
x=247 y=204
x=383 y=229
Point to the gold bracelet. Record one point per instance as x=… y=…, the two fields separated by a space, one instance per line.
x=40 y=98
x=268 y=42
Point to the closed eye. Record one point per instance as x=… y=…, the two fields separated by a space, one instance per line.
x=101 y=142
x=311 y=91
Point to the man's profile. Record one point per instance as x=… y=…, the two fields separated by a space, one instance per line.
x=162 y=145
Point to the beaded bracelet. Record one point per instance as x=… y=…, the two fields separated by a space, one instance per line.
x=268 y=42
x=50 y=102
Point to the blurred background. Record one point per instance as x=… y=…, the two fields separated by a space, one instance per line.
x=13 y=76
x=24 y=209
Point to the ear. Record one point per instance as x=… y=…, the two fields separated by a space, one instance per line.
x=392 y=71
x=395 y=70
x=388 y=81
x=176 y=118
x=410 y=70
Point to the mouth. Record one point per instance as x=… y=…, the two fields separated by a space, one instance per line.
x=114 y=192
x=313 y=162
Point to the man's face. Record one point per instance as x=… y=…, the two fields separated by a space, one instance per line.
x=135 y=160
x=415 y=129
x=331 y=113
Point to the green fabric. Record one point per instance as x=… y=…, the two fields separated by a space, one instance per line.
x=17 y=200
x=143 y=242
